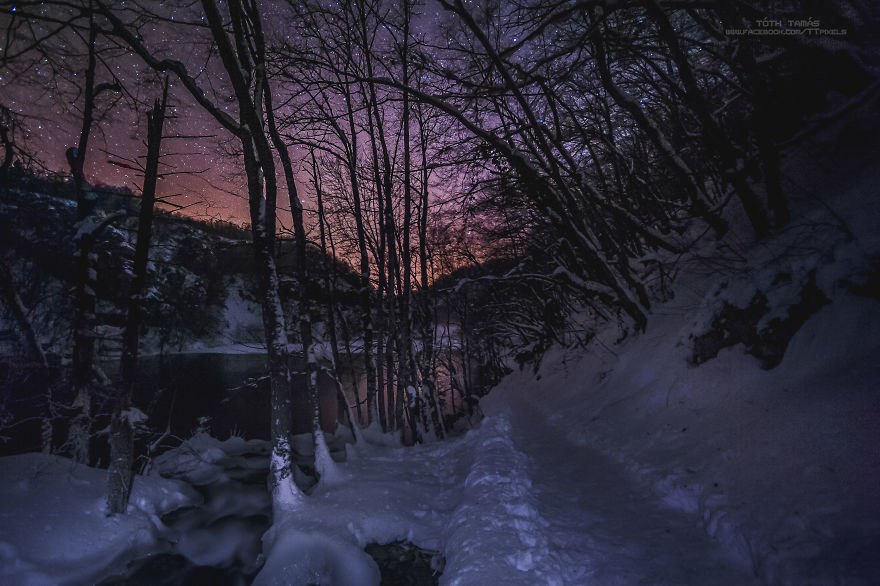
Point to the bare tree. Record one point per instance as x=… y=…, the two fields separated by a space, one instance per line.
x=233 y=36
x=124 y=418
x=85 y=275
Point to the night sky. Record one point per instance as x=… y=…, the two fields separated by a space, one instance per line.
x=205 y=180
x=210 y=180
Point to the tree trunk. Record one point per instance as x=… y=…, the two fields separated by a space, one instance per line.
x=330 y=286
x=322 y=453
x=426 y=353
x=408 y=374
x=84 y=297
x=366 y=303
x=383 y=347
x=121 y=429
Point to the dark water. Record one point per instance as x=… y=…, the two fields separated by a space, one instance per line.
x=223 y=394
x=402 y=563
x=224 y=389
x=219 y=393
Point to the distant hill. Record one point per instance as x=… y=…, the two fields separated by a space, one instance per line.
x=201 y=288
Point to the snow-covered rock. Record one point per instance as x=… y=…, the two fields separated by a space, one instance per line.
x=53 y=526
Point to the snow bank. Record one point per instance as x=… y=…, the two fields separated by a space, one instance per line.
x=231 y=475
x=53 y=529
x=496 y=532
x=203 y=459
x=309 y=558
x=780 y=466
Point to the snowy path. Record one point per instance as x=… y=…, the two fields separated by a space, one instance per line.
x=509 y=503
x=603 y=527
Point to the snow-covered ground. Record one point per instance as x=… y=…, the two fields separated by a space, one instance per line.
x=781 y=468
x=53 y=529
x=511 y=502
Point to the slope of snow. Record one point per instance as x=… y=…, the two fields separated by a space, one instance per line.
x=53 y=529
x=781 y=467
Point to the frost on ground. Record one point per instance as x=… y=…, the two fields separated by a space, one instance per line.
x=53 y=529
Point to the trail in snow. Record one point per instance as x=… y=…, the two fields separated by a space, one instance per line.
x=603 y=527
x=512 y=502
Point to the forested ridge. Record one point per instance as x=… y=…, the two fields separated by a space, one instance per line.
x=188 y=290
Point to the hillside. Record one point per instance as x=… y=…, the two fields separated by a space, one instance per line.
x=202 y=286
